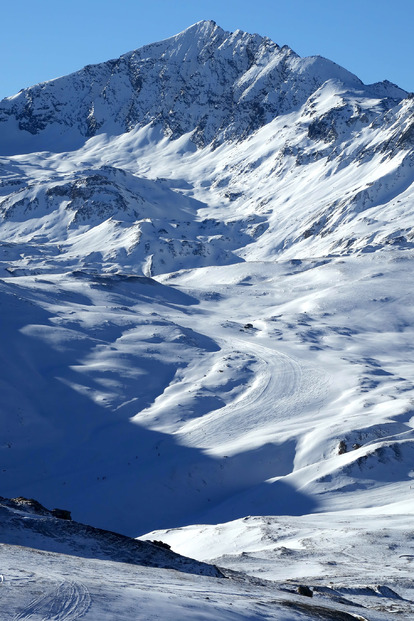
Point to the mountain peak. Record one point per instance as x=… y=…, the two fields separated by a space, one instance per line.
x=205 y=81
x=200 y=31
x=203 y=26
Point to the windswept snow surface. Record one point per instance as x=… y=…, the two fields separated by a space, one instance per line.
x=61 y=571
x=206 y=258
x=54 y=587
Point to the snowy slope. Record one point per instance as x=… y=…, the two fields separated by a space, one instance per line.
x=206 y=254
x=66 y=588
x=101 y=575
x=26 y=525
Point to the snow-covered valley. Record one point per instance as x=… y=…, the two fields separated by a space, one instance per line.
x=207 y=318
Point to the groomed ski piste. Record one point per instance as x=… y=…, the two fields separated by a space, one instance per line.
x=207 y=339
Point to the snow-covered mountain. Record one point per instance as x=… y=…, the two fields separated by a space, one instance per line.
x=242 y=133
x=206 y=256
x=215 y=84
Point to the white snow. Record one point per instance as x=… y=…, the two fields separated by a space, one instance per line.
x=207 y=314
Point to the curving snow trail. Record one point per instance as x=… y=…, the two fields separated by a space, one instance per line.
x=70 y=601
x=268 y=408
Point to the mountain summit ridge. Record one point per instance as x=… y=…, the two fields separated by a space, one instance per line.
x=256 y=152
x=216 y=84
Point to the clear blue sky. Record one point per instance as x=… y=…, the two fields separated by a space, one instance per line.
x=43 y=39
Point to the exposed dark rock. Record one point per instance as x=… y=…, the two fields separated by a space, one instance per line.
x=34 y=506
x=28 y=504
x=322 y=613
x=305 y=590
x=342 y=447
x=62 y=514
x=160 y=544
x=322 y=129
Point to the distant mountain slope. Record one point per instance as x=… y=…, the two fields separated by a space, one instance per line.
x=215 y=84
x=207 y=148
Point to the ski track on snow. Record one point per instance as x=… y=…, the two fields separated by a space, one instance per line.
x=273 y=397
x=68 y=602
x=277 y=378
